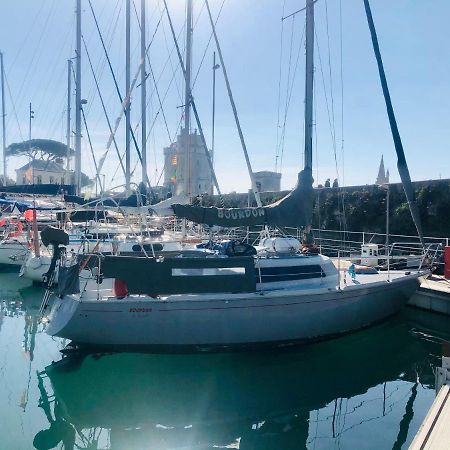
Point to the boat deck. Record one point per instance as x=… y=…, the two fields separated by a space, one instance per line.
x=346 y=279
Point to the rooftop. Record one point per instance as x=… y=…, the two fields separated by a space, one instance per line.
x=39 y=164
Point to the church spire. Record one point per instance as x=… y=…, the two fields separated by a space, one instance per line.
x=383 y=177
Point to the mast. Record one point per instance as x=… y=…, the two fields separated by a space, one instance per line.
x=187 y=99
x=127 y=93
x=233 y=107
x=143 y=97
x=3 y=118
x=78 y=104
x=402 y=165
x=215 y=67
x=309 y=82
x=69 y=96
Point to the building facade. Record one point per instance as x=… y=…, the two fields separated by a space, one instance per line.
x=191 y=177
x=43 y=172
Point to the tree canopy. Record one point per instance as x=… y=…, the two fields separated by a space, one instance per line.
x=43 y=149
x=86 y=181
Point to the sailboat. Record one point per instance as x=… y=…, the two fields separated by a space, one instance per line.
x=272 y=295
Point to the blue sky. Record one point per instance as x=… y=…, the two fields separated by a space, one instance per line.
x=38 y=37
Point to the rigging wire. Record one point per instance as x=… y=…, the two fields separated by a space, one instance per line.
x=25 y=40
x=319 y=216
x=133 y=136
x=180 y=93
x=279 y=86
x=36 y=51
x=286 y=108
x=296 y=12
x=157 y=81
x=102 y=61
x=11 y=98
x=288 y=101
x=341 y=52
x=192 y=102
x=103 y=103
x=92 y=150
x=153 y=77
x=327 y=103
x=341 y=193
x=329 y=71
x=209 y=40
x=330 y=123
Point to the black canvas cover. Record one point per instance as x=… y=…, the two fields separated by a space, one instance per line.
x=82 y=215
x=294 y=210
x=181 y=275
x=69 y=280
x=53 y=235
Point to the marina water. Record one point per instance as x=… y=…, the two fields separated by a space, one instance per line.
x=367 y=390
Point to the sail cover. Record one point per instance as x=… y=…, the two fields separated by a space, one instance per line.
x=294 y=210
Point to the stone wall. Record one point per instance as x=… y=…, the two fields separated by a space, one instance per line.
x=365 y=207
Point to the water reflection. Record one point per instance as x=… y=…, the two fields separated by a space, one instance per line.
x=314 y=396
x=24 y=304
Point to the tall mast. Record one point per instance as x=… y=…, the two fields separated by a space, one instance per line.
x=309 y=82
x=215 y=67
x=78 y=104
x=187 y=100
x=3 y=118
x=143 y=97
x=69 y=97
x=402 y=166
x=127 y=93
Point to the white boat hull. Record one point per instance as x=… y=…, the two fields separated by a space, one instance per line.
x=13 y=252
x=196 y=321
x=34 y=267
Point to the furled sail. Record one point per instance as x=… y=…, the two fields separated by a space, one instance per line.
x=294 y=210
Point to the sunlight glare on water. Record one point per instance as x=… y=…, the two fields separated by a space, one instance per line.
x=367 y=390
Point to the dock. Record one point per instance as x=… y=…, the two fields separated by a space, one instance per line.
x=433 y=295
x=434 y=433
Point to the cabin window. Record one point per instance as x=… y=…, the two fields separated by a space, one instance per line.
x=39 y=179
x=213 y=271
x=51 y=180
x=24 y=180
x=62 y=180
x=275 y=274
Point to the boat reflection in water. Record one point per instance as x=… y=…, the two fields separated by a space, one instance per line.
x=240 y=400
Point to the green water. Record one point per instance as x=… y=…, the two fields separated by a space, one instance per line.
x=368 y=390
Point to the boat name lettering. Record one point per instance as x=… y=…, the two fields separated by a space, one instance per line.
x=140 y=310
x=240 y=213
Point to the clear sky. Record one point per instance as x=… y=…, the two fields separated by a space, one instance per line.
x=37 y=38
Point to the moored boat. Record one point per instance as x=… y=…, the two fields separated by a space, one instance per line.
x=241 y=298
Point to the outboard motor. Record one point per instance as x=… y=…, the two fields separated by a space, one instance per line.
x=56 y=238
x=68 y=281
